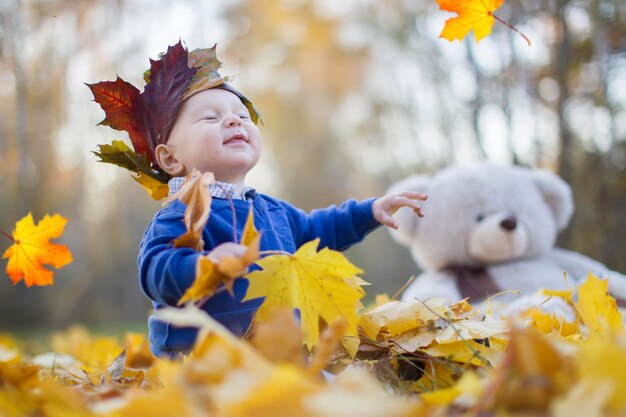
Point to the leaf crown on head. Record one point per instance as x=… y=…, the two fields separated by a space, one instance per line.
x=148 y=117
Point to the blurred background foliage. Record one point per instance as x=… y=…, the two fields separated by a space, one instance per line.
x=354 y=95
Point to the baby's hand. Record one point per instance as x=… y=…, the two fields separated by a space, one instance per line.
x=228 y=249
x=385 y=206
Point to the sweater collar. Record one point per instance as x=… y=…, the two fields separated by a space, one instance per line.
x=218 y=189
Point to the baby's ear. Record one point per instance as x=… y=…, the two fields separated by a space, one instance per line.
x=167 y=160
x=406 y=217
x=557 y=193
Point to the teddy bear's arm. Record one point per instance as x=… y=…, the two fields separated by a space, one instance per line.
x=579 y=266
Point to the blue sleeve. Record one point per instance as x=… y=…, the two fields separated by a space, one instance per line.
x=166 y=272
x=337 y=227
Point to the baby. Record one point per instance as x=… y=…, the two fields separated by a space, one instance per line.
x=215 y=130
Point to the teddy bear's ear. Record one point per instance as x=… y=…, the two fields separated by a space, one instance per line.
x=407 y=219
x=557 y=194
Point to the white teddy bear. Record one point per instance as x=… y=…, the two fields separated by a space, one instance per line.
x=489 y=229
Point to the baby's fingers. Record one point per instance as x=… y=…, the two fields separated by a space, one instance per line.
x=409 y=198
x=414 y=195
x=388 y=221
x=402 y=201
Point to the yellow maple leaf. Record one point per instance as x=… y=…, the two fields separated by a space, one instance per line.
x=476 y=15
x=597 y=309
x=32 y=249
x=195 y=194
x=319 y=284
x=211 y=274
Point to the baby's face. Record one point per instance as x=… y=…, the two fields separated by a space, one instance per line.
x=213 y=132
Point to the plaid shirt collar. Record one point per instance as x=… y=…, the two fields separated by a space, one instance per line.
x=218 y=189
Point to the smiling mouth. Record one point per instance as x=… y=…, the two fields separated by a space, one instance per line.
x=236 y=139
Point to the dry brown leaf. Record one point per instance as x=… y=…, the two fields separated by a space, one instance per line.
x=195 y=194
x=210 y=274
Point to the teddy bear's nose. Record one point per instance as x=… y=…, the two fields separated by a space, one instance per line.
x=509 y=224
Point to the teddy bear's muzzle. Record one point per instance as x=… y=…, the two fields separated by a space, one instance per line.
x=498 y=237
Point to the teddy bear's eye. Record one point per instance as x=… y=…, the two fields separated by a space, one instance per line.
x=480 y=218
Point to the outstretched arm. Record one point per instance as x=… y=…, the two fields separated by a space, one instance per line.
x=340 y=227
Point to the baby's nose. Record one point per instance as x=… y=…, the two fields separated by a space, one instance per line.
x=233 y=120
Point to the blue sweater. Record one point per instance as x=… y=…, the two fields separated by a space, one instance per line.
x=166 y=272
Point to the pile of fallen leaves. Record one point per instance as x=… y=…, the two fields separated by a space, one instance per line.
x=434 y=358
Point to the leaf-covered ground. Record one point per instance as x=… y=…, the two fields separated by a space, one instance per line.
x=416 y=359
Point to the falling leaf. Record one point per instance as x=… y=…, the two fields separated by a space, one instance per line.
x=597 y=309
x=195 y=194
x=316 y=283
x=32 y=249
x=210 y=274
x=476 y=15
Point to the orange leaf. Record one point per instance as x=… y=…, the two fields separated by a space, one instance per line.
x=196 y=196
x=32 y=249
x=476 y=15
